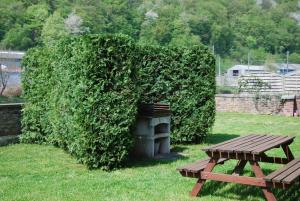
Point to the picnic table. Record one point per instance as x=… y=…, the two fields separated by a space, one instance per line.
x=252 y=149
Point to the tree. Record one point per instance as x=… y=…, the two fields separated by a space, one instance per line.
x=294 y=58
x=182 y=35
x=222 y=38
x=53 y=29
x=74 y=25
x=35 y=17
x=4 y=76
x=17 y=38
x=233 y=27
x=11 y=13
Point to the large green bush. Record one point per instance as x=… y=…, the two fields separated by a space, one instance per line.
x=36 y=83
x=82 y=94
x=88 y=101
x=185 y=78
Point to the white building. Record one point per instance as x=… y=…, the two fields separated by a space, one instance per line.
x=239 y=70
x=11 y=59
x=288 y=68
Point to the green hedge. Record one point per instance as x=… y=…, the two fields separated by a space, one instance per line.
x=89 y=102
x=82 y=94
x=36 y=84
x=185 y=78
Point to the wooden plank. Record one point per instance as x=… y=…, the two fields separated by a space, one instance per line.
x=198 y=165
x=264 y=143
x=292 y=177
x=244 y=140
x=287 y=151
x=251 y=146
x=234 y=179
x=285 y=174
x=278 y=172
x=194 y=166
x=198 y=186
x=259 y=173
x=210 y=148
x=286 y=140
x=230 y=147
x=242 y=144
x=247 y=156
x=239 y=168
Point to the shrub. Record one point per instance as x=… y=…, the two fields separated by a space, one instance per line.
x=88 y=99
x=185 y=78
x=82 y=94
x=36 y=90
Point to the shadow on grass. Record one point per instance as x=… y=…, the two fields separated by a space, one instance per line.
x=175 y=152
x=243 y=192
x=219 y=137
x=160 y=159
x=178 y=148
x=135 y=162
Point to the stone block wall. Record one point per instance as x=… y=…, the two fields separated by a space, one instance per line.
x=10 y=119
x=247 y=104
x=288 y=107
x=298 y=105
x=251 y=104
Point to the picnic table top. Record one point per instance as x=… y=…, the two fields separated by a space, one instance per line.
x=250 y=144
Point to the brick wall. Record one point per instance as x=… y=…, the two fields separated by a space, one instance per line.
x=288 y=108
x=250 y=104
x=298 y=104
x=10 y=119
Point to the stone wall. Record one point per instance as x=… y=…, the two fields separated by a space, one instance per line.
x=298 y=104
x=10 y=119
x=251 y=104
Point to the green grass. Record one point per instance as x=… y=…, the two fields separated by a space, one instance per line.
x=10 y=99
x=226 y=90
x=35 y=172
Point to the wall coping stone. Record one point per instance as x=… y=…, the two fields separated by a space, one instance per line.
x=9 y=139
x=234 y=95
x=253 y=95
x=11 y=105
x=288 y=97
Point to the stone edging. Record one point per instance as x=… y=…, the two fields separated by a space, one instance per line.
x=11 y=105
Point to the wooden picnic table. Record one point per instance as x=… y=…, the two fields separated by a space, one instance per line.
x=252 y=149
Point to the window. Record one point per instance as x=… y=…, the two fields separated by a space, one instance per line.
x=235 y=73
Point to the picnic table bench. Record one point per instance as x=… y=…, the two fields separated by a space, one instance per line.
x=246 y=149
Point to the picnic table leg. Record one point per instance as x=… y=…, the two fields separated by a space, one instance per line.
x=239 y=168
x=198 y=186
x=288 y=152
x=258 y=173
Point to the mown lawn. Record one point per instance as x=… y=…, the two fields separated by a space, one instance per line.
x=34 y=172
x=10 y=99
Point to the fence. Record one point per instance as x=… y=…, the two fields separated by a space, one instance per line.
x=270 y=83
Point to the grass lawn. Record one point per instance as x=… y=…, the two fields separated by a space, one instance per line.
x=10 y=99
x=34 y=172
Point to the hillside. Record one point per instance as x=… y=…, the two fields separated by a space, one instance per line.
x=267 y=28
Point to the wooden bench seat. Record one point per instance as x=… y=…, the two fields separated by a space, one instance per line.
x=194 y=169
x=286 y=175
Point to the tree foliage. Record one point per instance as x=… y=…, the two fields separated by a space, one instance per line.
x=54 y=29
x=232 y=27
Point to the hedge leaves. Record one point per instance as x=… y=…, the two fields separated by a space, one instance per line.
x=82 y=94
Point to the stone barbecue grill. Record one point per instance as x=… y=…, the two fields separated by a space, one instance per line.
x=152 y=132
